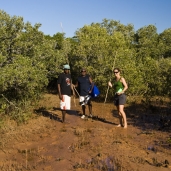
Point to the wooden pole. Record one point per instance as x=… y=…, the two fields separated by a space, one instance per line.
x=110 y=78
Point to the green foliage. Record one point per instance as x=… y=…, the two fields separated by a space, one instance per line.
x=22 y=78
x=165 y=43
x=29 y=60
x=146 y=40
x=23 y=75
x=97 y=50
x=136 y=54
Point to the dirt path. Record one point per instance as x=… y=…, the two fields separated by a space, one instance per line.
x=90 y=144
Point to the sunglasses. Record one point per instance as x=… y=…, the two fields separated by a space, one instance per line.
x=115 y=72
x=83 y=71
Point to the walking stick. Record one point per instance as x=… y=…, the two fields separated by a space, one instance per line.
x=110 y=78
x=76 y=91
x=74 y=102
x=77 y=94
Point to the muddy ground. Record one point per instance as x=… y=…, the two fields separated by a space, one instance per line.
x=94 y=144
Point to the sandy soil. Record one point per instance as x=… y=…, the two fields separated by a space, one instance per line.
x=91 y=144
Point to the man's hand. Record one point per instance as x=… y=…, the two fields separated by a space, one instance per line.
x=74 y=95
x=60 y=96
x=73 y=86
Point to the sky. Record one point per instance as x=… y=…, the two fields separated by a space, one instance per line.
x=67 y=16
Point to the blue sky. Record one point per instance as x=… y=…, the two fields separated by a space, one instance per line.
x=74 y=14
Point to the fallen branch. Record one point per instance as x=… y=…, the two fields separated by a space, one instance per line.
x=9 y=101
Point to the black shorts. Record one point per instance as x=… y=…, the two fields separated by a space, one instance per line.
x=119 y=99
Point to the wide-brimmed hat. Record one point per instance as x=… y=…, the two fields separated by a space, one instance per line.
x=66 y=66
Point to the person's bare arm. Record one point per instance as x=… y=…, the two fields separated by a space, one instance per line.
x=92 y=84
x=109 y=84
x=76 y=85
x=72 y=88
x=59 y=92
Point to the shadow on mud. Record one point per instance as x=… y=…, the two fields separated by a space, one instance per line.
x=44 y=112
x=151 y=118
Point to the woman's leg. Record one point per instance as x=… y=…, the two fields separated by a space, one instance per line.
x=123 y=115
x=120 y=117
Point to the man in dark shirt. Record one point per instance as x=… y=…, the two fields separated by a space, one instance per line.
x=64 y=90
x=83 y=83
